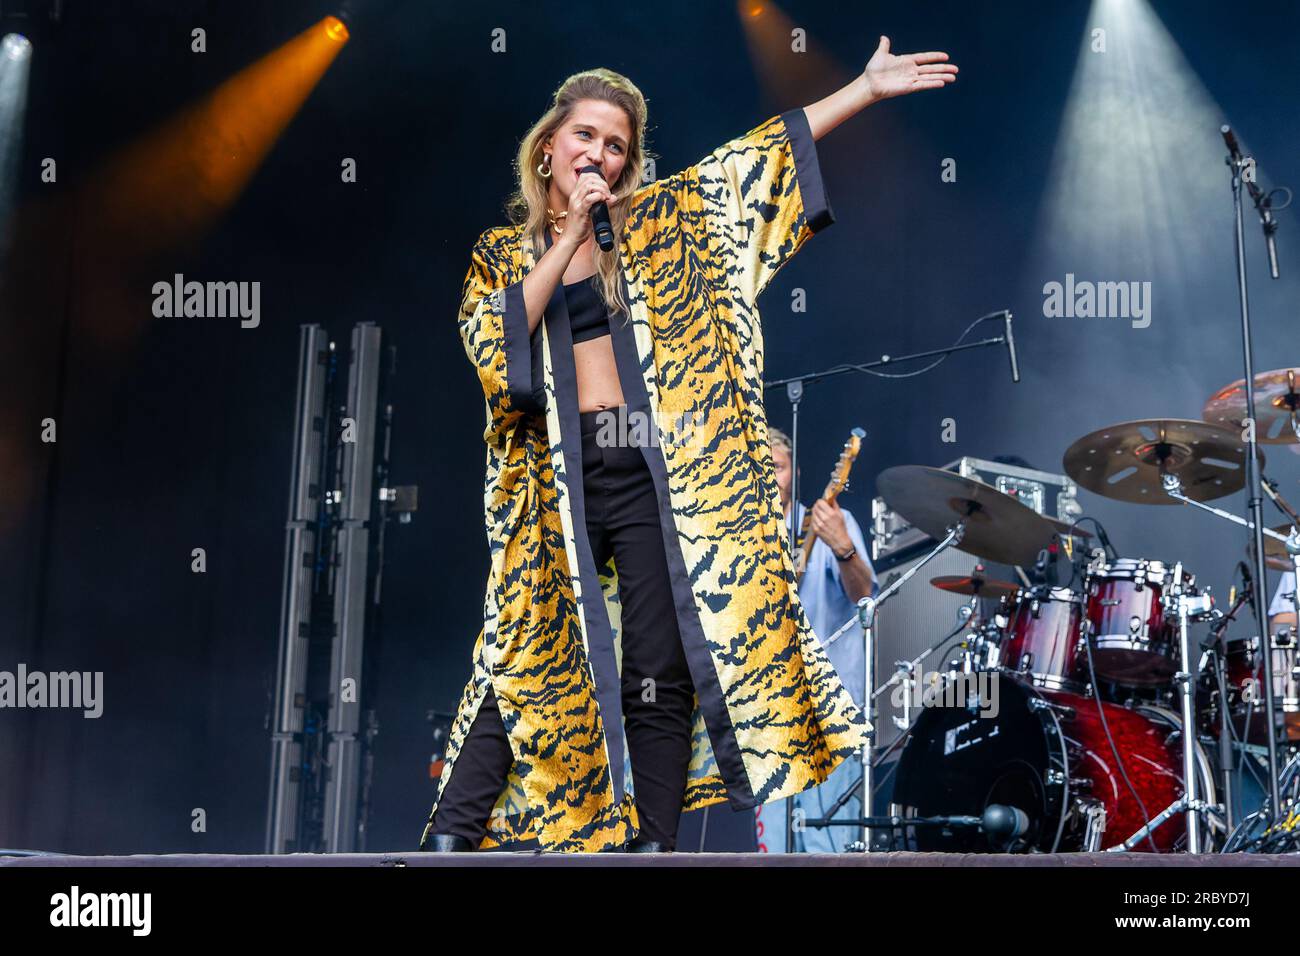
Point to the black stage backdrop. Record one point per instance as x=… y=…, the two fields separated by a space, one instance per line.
x=174 y=433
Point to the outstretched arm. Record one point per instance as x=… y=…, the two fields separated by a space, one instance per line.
x=885 y=75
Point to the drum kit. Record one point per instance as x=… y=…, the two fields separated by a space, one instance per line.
x=1094 y=704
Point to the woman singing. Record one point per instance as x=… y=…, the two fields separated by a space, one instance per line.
x=642 y=653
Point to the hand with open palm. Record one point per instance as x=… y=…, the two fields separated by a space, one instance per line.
x=889 y=75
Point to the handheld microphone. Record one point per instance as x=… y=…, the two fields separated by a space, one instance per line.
x=600 y=217
x=1011 y=347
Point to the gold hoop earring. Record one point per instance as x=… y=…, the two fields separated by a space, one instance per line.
x=544 y=168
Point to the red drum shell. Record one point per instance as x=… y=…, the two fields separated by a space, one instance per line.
x=1134 y=642
x=1042 y=638
x=1244 y=676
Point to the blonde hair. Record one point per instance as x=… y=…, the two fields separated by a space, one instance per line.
x=527 y=206
x=779 y=439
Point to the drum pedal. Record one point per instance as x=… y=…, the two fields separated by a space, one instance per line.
x=1095 y=817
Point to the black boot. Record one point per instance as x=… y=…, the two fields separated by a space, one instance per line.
x=448 y=843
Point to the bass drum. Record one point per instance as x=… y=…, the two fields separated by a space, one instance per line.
x=1044 y=752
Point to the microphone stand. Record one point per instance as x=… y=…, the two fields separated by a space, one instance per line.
x=794 y=388
x=1238 y=163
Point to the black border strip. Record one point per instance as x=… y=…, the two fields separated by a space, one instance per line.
x=704 y=673
x=808 y=171
x=522 y=377
x=600 y=634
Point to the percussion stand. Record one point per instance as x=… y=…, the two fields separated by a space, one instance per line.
x=906 y=675
x=1193 y=808
x=1187 y=605
x=1174 y=489
x=867 y=609
x=1227 y=752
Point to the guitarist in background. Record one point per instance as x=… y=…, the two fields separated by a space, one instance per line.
x=837 y=575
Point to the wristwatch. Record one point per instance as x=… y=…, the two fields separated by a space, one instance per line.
x=844 y=557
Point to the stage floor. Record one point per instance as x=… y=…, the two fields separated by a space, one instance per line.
x=502 y=859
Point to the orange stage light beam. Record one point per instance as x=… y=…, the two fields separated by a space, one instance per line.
x=788 y=77
x=178 y=180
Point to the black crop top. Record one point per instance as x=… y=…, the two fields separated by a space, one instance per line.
x=588 y=316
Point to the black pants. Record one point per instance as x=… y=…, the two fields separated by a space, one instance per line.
x=657 y=692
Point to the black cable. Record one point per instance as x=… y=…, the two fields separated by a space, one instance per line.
x=1077 y=565
x=920 y=371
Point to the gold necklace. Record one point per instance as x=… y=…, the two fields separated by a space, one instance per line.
x=550 y=214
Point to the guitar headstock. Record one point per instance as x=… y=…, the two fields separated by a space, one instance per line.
x=840 y=474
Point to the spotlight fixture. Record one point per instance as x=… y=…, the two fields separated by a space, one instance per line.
x=336 y=29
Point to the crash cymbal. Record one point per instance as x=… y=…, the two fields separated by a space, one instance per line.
x=1277 y=406
x=1126 y=461
x=998 y=527
x=984 y=587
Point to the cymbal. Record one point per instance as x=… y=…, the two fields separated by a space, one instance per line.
x=998 y=527
x=1277 y=406
x=1126 y=461
x=1276 y=555
x=984 y=587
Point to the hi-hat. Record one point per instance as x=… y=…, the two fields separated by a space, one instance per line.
x=998 y=527
x=1127 y=461
x=1277 y=406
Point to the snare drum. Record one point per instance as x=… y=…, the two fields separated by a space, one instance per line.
x=1134 y=635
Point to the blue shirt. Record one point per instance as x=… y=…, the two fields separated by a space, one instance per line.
x=821 y=591
x=1282 y=602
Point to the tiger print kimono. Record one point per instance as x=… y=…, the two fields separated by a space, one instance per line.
x=772 y=717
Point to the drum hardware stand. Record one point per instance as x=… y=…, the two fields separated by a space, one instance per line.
x=1240 y=166
x=1193 y=808
x=1227 y=757
x=1174 y=489
x=905 y=671
x=866 y=617
x=1187 y=604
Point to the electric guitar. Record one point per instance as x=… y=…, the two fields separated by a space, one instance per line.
x=839 y=481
